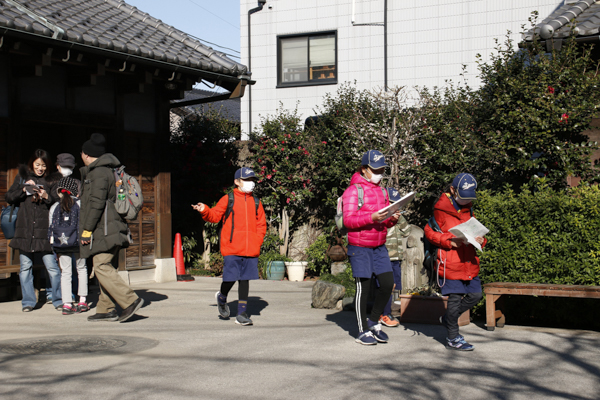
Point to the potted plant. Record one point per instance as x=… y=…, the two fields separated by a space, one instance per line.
x=272 y=265
x=424 y=305
x=295 y=270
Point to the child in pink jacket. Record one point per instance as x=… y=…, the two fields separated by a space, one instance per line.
x=367 y=231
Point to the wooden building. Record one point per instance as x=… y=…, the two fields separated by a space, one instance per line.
x=73 y=67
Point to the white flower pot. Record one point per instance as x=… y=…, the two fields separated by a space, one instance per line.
x=295 y=270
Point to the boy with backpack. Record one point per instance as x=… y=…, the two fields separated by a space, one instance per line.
x=242 y=234
x=64 y=238
x=457 y=262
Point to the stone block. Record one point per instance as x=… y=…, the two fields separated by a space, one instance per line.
x=165 y=270
x=327 y=294
x=338 y=267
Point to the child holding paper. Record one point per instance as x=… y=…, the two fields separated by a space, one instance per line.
x=458 y=262
x=367 y=228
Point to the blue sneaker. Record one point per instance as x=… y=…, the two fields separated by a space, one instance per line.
x=380 y=336
x=222 y=307
x=366 y=338
x=459 y=343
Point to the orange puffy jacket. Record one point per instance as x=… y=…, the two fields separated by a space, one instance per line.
x=249 y=228
x=459 y=263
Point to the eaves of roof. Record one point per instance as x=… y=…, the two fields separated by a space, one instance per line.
x=115 y=28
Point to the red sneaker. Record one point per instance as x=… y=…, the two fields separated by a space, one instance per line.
x=389 y=320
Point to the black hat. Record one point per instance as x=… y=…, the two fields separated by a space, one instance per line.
x=65 y=160
x=69 y=184
x=96 y=146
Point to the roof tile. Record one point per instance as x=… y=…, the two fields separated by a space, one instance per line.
x=113 y=24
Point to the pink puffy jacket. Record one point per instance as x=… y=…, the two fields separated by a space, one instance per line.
x=362 y=231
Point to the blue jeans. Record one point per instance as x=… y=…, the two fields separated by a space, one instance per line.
x=26 y=278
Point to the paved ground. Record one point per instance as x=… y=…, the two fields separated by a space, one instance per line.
x=177 y=348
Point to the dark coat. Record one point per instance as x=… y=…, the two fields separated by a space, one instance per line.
x=31 y=231
x=98 y=213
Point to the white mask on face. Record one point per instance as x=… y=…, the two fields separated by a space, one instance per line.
x=247 y=186
x=462 y=202
x=376 y=178
x=65 y=171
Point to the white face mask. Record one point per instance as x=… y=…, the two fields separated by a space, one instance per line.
x=462 y=202
x=376 y=178
x=247 y=186
x=65 y=171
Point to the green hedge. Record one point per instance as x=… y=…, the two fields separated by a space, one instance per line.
x=544 y=236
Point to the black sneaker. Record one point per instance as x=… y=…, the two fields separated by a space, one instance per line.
x=129 y=311
x=111 y=316
x=243 y=319
x=222 y=307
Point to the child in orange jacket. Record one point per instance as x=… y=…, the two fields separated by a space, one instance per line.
x=242 y=234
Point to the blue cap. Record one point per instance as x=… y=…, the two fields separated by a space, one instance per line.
x=393 y=194
x=244 y=173
x=374 y=159
x=465 y=185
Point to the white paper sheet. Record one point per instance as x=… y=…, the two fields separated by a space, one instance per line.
x=399 y=204
x=470 y=230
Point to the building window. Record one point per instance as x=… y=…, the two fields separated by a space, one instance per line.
x=309 y=59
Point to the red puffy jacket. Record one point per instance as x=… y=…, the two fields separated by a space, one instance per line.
x=362 y=231
x=457 y=263
x=249 y=228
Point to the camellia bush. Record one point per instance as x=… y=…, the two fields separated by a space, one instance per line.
x=204 y=153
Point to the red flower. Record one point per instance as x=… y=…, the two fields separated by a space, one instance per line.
x=324 y=142
x=550 y=90
x=269 y=176
x=288 y=200
x=564 y=118
x=283 y=142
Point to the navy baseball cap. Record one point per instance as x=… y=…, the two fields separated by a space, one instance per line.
x=374 y=159
x=393 y=194
x=244 y=173
x=465 y=185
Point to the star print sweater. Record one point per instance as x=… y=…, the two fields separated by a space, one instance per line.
x=56 y=208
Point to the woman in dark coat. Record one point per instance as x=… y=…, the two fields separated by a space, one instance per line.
x=29 y=192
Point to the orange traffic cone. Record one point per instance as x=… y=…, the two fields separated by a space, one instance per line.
x=179 y=264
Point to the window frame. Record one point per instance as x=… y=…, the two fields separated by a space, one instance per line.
x=327 y=81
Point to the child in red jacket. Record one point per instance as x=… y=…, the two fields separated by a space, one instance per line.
x=458 y=262
x=242 y=234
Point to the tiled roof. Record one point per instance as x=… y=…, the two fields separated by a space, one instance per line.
x=117 y=26
x=585 y=13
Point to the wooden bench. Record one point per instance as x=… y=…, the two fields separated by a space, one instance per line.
x=495 y=291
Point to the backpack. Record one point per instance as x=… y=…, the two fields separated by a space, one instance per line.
x=8 y=218
x=129 y=194
x=430 y=261
x=339 y=215
x=229 y=211
x=63 y=230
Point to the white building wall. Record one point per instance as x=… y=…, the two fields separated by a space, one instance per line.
x=428 y=42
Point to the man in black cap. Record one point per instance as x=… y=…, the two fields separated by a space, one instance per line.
x=102 y=230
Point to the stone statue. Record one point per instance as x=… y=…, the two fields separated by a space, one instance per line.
x=413 y=272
